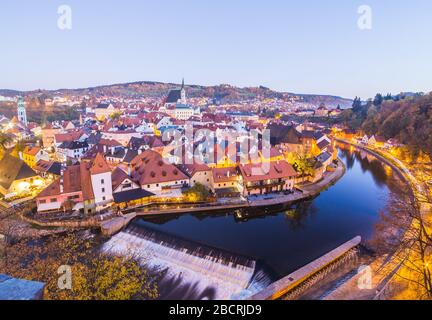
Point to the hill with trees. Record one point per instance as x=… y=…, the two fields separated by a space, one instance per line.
x=405 y=117
x=223 y=93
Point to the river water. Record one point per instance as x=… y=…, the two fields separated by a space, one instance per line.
x=280 y=241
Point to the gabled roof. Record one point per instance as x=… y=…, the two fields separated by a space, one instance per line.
x=130 y=155
x=32 y=151
x=149 y=167
x=267 y=171
x=224 y=174
x=48 y=167
x=131 y=195
x=323 y=157
x=70 y=136
x=94 y=138
x=73 y=145
x=324 y=143
x=118 y=176
x=109 y=142
x=191 y=169
x=150 y=141
x=12 y=169
x=76 y=178
x=71 y=183
x=99 y=165
x=173 y=96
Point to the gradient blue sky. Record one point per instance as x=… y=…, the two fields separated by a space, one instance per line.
x=302 y=46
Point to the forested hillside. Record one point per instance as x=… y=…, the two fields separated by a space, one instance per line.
x=406 y=118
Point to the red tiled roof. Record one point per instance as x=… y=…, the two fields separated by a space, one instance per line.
x=191 y=169
x=43 y=166
x=71 y=183
x=109 y=142
x=32 y=151
x=75 y=179
x=118 y=176
x=99 y=165
x=277 y=170
x=224 y=174
x=86 y=185
x=70 y=136
x=149 y=167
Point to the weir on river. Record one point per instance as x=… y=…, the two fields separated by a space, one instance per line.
x=285 y=241
x=191 y=270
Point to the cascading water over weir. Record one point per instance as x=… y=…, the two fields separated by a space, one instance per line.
x=191 y=270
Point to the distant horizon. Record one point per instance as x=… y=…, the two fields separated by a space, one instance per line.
x=178 y=84
x=288 y=46
x=214 y=85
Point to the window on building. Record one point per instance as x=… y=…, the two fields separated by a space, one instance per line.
x=42 y=201
x=103 y=181
x=103 y=198
x=103 y=190
x=53 y=200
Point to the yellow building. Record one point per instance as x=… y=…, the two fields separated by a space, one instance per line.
x=16 y=177
x=31 y=155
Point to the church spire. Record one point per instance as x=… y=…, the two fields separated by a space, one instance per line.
x=21 y=110
x=183 y=93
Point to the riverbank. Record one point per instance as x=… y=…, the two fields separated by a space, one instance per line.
x=303 y=192
x=110 y=224
x=383 y=270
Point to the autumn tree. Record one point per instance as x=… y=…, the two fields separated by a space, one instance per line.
x=303 y=165
x=406 y=230
x=197 y=193
x=95 y=275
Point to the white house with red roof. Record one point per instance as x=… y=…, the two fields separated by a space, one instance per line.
x=101 y=181
x=156 y=175
x=86 y=185
x=267 y=177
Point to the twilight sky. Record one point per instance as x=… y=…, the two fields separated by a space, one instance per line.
x=302 y=46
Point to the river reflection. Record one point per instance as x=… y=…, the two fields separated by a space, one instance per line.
x=291 y=237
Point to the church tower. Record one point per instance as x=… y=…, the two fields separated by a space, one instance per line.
x=22 y=116
x=183 y=93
